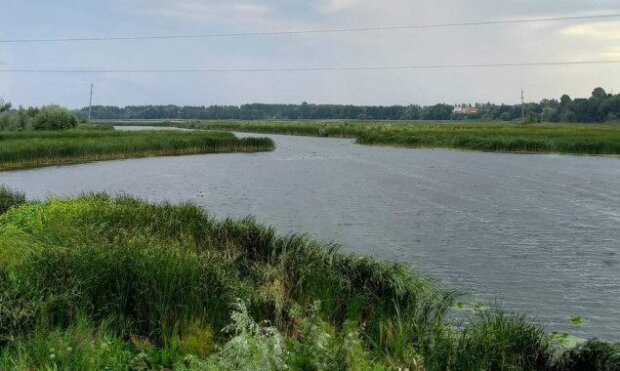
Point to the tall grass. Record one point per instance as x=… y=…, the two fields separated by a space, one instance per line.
x=10 y=198
x=169 y=286
x=34 y=149
x=591 y=139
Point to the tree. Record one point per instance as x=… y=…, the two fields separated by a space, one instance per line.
x=601 y=106
x=53 y=118
x=437 y=112
x=564 y=113
x=531 y=117
x=505 y=116
x=548 y=113
x=599 y=93
x=4 y=106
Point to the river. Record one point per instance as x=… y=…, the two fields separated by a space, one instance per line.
x=540 y=233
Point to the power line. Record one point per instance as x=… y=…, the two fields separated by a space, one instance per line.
x=90 y=103
x=318 y=69
x=310 y=31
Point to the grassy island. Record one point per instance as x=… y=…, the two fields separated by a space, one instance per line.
x=98 y=282
x=581 y=139
x=29 y=149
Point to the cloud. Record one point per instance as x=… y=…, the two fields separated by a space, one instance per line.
x=612 y=53
x=333 y=6
x=596 y=31
x=225 y=16
x=208 y=10
x=548 y=41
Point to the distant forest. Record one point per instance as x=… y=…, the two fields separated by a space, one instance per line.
x=600 y=107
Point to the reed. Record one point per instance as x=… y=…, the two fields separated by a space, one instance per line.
x=581 y=139
x=169 y=286
x=10 y=198
x=30 y=149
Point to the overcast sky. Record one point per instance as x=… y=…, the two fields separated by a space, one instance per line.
x=552 y=41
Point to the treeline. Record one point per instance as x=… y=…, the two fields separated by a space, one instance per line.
x=34 y=118
x=600 y=107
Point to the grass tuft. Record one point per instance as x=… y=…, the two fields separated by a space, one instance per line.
x=10 y=198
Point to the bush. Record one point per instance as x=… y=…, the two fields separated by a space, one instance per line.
x=54 y=118
x=253 y=347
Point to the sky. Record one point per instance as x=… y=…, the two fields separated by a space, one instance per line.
x=533 y=42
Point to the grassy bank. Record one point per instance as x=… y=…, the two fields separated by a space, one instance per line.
x=590 y=139
x=27 y=149
x=98 y=282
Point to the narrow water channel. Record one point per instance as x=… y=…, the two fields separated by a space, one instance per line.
x=541 y=233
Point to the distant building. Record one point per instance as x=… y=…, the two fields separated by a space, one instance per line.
x=466 y=109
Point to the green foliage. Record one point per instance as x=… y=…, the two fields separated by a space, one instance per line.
x=128 y=284
x=253 y=346
x=577 y=321
x=4 y=106
x=499 y=341
x=10 y=198
x=198 y=340
x=147 y=285
x=54 y=118
x=42 y=148
x=600 y=107
x=593 y=355
x=317 y=345
x=437 y=112
x=81 y=346
x=590 y=139
x=18 y=120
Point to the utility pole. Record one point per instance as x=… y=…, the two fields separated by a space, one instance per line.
x=522 y=106
x=90 y=104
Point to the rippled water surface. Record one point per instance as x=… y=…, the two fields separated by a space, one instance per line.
x=540 y=233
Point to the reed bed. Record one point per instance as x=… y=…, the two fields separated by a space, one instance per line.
x=581 y=139
x=97 y=282
x=30 y=149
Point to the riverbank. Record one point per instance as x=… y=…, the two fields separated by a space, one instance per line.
x=31 y=149
x=580 y=139
x=98 y=281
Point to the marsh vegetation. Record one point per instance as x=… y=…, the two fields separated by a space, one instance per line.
x=590 y=139
x=98 y=282
x=28 y=149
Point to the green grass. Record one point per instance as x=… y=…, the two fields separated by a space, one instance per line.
x=29 y=149
x=97 y=282
x=583 y=139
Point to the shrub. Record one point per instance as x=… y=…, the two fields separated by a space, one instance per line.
x=54 y=118
x=253 y=347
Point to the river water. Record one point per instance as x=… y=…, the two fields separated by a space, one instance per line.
x=540 y=233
